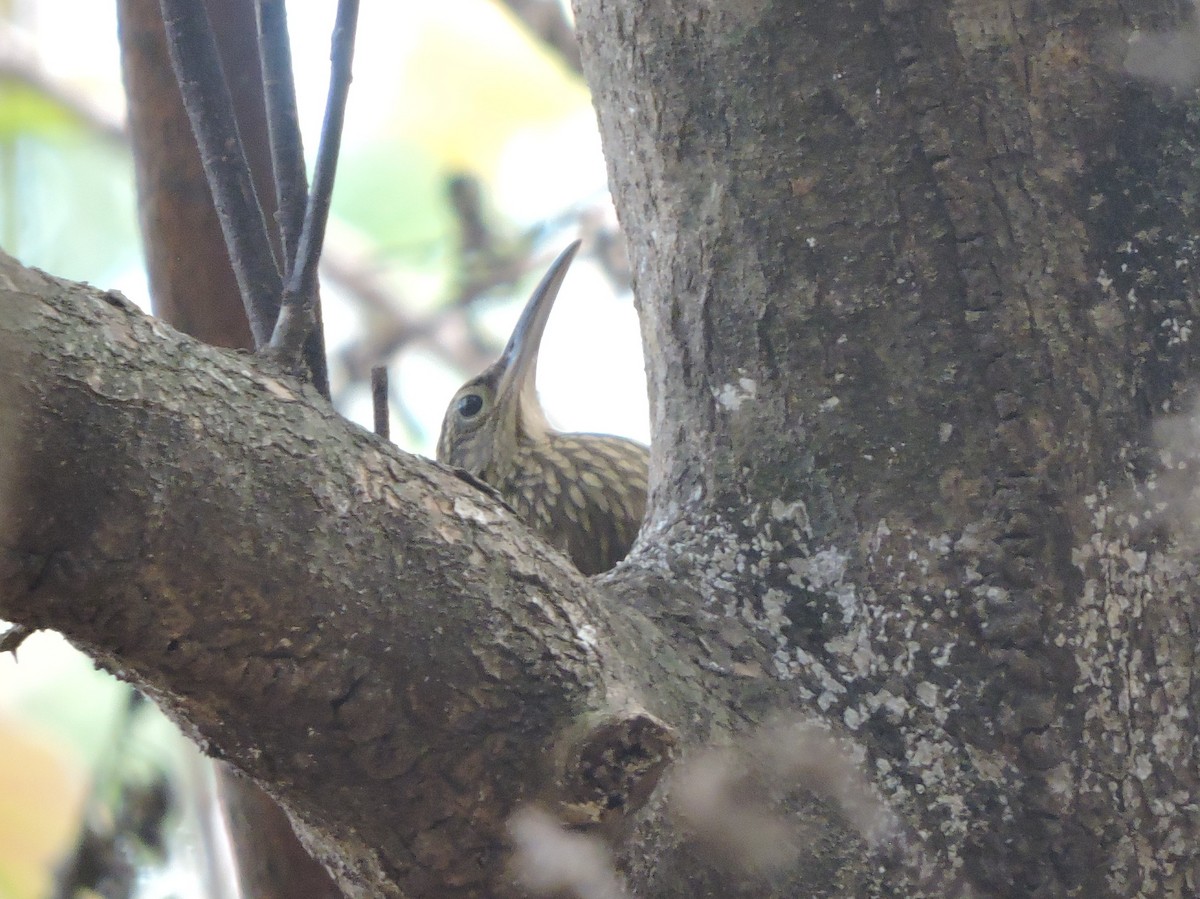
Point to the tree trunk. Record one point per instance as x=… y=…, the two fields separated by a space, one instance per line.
x=914 y=280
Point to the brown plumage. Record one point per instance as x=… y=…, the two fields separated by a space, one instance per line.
x=584 y=493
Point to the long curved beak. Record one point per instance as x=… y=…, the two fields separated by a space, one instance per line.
x=518 y=362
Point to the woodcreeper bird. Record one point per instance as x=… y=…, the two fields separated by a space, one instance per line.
x=585 y=494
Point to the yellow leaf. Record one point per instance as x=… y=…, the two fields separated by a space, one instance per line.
x=472 y=77
x=41 y=799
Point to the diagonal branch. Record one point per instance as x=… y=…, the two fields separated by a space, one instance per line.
x=382 y=643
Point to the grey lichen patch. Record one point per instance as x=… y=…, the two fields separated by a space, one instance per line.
x=924 y=646
x=1134 y=640
x=857 y=649
x=730 y=397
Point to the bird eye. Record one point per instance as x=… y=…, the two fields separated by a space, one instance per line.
x=470 y=405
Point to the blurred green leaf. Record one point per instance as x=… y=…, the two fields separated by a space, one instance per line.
x=394 y=193
x=26 y=111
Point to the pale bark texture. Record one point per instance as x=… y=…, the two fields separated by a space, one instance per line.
x=916 y=284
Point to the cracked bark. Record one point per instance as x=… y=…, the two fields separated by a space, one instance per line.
x=913 y=282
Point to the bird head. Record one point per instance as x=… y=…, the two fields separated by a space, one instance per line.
x=492 y=413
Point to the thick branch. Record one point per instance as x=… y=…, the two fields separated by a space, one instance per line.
x=375 y=639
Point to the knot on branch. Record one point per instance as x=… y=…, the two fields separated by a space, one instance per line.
x=610 y=767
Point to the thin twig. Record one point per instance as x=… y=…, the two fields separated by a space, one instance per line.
x=296 y=315
x=379 y=400
x=287 y=162
x=283 y=123
x=209 y=107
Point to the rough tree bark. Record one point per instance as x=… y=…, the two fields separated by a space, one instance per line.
x=193 y=288
x=915 y=280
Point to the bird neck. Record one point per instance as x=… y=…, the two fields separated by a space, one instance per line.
x=531 y=420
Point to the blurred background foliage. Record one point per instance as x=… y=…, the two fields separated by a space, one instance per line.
x=470 y=159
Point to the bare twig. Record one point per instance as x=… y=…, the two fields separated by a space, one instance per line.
x=283 y=123
x=296 y=316
x=12 y=638
x=209 y=107
x=379 y=399
x=287 y=162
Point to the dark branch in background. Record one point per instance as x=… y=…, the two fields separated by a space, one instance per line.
x=488 y=259
x=296 y=314
x=449 y=331
x=124 y=817
x=547 y=20
x=389 y=327
x=466 y=197
x=379 y=400
x=287 y=162
x=210 y=109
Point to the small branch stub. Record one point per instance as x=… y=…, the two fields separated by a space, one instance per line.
x=610 y=769
x=379 y=400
